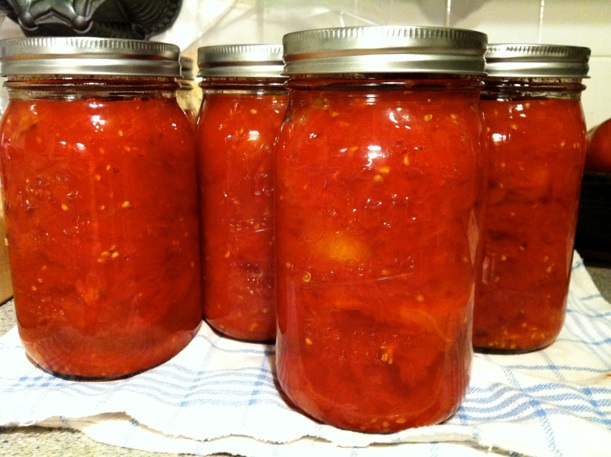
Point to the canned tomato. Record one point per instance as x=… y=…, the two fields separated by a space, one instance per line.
x=536 y=141
x=243 y=105
x=100 y=198
x=378 y=179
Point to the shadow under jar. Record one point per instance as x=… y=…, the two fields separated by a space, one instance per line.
x=100 y=196
x=536 y=144
x=378 y=179
x=244 y=101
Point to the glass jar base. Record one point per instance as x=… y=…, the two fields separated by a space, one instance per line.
x=509 y=350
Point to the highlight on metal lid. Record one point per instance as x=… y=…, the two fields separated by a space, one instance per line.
x=88 y=56
x=241 y=61
x=385 y=49
x=537 y=60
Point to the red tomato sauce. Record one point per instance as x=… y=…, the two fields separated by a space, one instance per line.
x=236 y=134
x=537 y=152
x=376 y=248
x=102 y=228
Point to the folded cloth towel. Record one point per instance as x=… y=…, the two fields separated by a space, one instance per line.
x=219 y=396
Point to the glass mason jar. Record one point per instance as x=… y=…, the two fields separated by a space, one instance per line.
x=536 y=141
x=243 y=106
x=100 y=197
x=378 y=179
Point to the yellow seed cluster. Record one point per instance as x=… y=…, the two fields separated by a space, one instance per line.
x=382 y=171
x=387 y=356
x=112 y=253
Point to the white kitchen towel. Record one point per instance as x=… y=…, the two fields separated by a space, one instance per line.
x=219 y=396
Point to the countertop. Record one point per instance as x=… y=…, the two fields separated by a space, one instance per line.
x=39 y=442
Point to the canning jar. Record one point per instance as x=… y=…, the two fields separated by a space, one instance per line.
x=100 y=198
x=243 y=105
x=378 y=176
x=536 y=141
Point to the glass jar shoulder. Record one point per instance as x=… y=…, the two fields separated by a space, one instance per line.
x=356 y=126
x=242 y=108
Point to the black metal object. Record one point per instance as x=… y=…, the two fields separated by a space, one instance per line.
x=137 y=19
x=593 y=238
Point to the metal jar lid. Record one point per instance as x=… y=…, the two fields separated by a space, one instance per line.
x=240 y=61
x=537 y=60
x=385 y=49
x=186 y=68
x=88 y=56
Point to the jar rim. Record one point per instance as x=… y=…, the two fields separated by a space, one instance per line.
x=385 y=49
x=240 y=61
x=537 y=60
x=186 y=68
x=88 y=56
